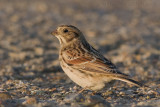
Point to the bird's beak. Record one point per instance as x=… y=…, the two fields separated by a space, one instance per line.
x=54 y=33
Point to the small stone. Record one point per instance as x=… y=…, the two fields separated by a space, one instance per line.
x=107 y=93
x=14 y=18
x=95 y=99
x=39 y=51
x=42 y=7
x=121 y=93
x=148 y=97
x=74 y=98
x=18 y=56
x=52 y=89
x=91 y=33
x=98 y=101
x=138 y=57
x=80 y=98
x=129 y=92
x=5 y=96
x=31 y=100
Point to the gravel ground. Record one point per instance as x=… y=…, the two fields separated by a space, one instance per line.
x=126 y=32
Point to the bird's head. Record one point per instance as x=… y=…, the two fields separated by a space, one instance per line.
x=67 y=33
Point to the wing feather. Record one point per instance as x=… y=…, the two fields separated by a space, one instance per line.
x=92 y=63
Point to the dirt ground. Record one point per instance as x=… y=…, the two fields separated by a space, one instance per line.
x=126 y=32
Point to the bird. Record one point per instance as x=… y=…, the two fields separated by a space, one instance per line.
x=83 y=64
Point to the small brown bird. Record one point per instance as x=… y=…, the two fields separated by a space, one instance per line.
x=84 y=64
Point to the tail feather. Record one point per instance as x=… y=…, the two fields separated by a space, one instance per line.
x=130 y=81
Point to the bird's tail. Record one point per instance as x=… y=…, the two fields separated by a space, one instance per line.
x=128 y=80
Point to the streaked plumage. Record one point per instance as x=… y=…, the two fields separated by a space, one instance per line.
x=84 y=64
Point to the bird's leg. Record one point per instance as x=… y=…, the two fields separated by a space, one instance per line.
x=94 y=92
x=82 y=90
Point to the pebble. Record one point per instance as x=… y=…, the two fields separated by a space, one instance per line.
x=74 y=98
x=5 y=96
x=39 y=51
x=97 y=101
x=17 y=56
x=30 y=100
x=91 y=33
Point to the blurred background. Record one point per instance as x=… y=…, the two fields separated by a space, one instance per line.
x=125 y=31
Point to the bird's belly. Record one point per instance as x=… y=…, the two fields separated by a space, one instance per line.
x=83 y=79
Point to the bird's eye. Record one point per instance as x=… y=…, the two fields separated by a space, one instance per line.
x=65 y=30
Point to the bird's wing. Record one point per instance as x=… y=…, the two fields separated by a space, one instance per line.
x=92 y=62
